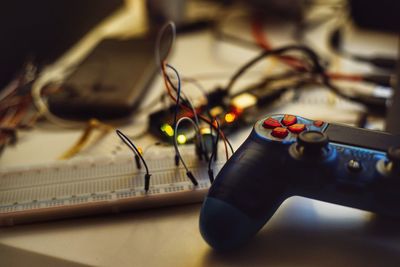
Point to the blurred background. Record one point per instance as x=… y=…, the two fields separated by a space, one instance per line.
x=72 y=62
x=74 y=71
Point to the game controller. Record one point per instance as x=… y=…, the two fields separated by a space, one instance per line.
x=288 y=155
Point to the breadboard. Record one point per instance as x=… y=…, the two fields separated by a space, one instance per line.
x=98 y=185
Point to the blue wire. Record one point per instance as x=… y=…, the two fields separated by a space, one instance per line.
x=178 y=92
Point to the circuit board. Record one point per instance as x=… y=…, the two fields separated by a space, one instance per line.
x=98 y=185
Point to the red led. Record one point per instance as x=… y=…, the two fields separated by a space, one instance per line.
x=271 y=123
x=297 y=128
x=289 y=120
x=319 y=123
x=279 y=132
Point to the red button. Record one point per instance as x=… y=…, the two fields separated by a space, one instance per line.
x=271 y=123
x=319 y=123
x=297 y=128
x=289 y=120
x=279 y=132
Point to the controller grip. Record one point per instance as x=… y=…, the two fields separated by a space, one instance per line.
x=245 y=194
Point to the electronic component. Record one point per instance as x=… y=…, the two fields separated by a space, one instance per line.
x=329 y=162
x=99 y=185
x=109 y=83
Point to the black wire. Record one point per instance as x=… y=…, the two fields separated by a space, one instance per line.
x=317 y=69
x=178 y=91
x=184 y=103
x=267 y=80
x=230 y=145
x=130 y=144
x=214 y=154
x=267 y=53
x=379 y=61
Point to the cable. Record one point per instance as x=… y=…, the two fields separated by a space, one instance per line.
x=178 y=92
x=137 y=153
x=189 y=174
x=169 y=86
x=214 y=154
x=268 y=53
x=199 y=149
x=336 y=44
x=169 y=25
x=263 y=42
x=92 y=125
x=372 y=103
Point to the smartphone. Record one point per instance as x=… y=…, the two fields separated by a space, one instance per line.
x=109 y=83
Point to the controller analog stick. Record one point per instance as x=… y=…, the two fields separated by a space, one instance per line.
x=312 y=144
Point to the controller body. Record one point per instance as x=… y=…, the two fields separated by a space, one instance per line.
x=288 y=155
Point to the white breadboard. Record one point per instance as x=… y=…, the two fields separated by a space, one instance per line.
x=98 y=185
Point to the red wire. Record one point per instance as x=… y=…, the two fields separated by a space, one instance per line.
x=263 y=42
x=169 y=91
x=261 y=39
x=345 y=76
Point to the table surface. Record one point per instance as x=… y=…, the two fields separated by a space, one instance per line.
x=303 y=232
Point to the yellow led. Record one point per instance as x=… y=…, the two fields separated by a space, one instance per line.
x=181 y=139
x=205 y=130
x=167 y=129
x=230 y=117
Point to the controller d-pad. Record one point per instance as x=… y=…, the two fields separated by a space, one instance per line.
x=271 y=123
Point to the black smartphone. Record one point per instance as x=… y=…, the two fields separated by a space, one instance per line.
x=109 y=83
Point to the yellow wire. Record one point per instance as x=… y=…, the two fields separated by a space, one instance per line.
x=92 y=125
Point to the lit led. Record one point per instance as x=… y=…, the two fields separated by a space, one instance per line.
x=230 y=117
x=244 y=101
x=181 y=139
x=205 y=130
x=167 y=129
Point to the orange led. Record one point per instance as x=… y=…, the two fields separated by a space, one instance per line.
x=230 y=117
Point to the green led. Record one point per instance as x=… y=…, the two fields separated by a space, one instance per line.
x=181 y=139
x=167 y=129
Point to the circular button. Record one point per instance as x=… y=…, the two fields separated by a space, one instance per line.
x=313 y=139
x=312 y=144
x=354 y=166
x=297 y=128
x=289 y=120
x=279 y=132
x=271 y=123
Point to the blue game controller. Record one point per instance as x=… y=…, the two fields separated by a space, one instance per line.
x=288 y=155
